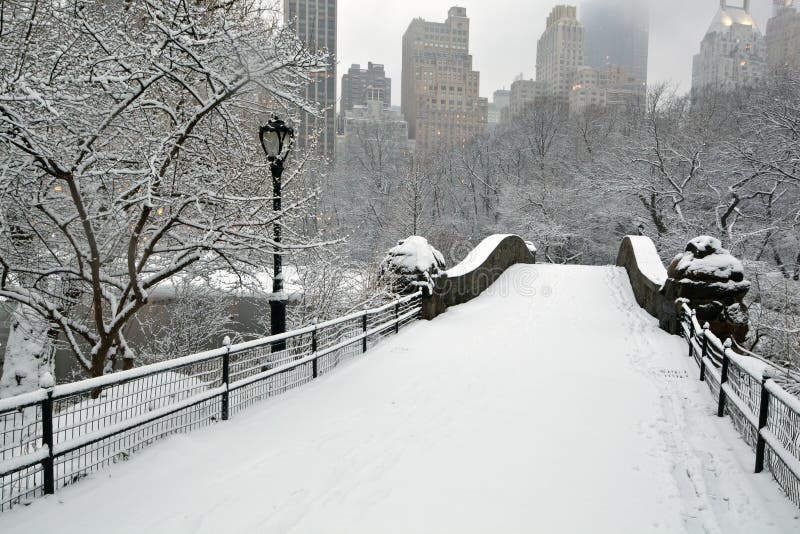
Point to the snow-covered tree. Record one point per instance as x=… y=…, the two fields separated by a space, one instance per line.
x=128 y=154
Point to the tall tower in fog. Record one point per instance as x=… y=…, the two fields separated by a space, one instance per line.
x=733 y=52
x=779 y=5
x=783 y=37
x=617 y=35
x=440 y=91
x=559 y=51
x=316 y=26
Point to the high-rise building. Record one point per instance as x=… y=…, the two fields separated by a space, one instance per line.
x=524 y=95
x=440 y=90
x=778 y=5
x=564 y=79
x=611 y=86
x=783 y=38
x=559 y=51
x=501 y=99
x=315 y=23
x=375 y=136
x=356 y=82
x=732 y=53
x=617 y=34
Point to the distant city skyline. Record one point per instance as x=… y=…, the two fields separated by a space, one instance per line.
x=504 y=35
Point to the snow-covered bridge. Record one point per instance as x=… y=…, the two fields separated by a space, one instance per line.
x=550 y=403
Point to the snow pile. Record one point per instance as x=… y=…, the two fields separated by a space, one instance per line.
x=478 y=256
x=413 y=262
x=705 y=260
x=648 y=260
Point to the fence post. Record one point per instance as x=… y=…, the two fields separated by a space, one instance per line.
x=703 y=357
x=364 y=330
x=226 y=379
x=48 y=471
x=314 y=365
x=691 y=333
x=763 y=415
x=397 y=317
x=723 y=378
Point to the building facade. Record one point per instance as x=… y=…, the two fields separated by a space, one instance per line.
x=315 y=23
x=732 y=53
x=501 y=100
x=612 y=86
x=560 y=51
x=375 y=137
x=617 y=34
x=440 y=90
x=524 y=95
x=356 y=82
x=783 y=38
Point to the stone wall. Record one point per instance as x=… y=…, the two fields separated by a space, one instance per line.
x=475 y=274
x=638 y=255
x=705 y=276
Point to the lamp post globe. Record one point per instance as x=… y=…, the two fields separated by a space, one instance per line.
x=276 y=136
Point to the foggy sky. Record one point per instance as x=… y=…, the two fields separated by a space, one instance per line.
x=503 y=35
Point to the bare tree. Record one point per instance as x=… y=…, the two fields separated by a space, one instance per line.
x=127 y=155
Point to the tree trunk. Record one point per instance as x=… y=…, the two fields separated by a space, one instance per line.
x=29 y=355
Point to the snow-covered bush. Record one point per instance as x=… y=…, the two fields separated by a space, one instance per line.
x=127 y=132
x=411 y=264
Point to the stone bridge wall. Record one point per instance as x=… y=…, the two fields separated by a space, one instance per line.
x=484 y=265
x=648 y=275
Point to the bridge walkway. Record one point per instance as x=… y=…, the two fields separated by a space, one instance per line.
x=552 y=403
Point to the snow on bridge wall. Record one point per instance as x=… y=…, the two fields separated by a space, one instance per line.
x=479 y=270
x=638 y=255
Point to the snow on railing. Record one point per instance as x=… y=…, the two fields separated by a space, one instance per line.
x=765 y=415
x=52 y=438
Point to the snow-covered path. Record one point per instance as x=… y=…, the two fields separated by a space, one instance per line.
x=552 y=403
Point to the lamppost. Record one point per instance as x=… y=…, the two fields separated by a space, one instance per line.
x=276 y=140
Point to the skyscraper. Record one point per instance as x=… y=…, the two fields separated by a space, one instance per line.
x=356 y=82
x=501 y=99
x=783 y=38
x=559 y=52
x=617 y=35
x=524 y=95
x=315 y=23
x=440 y=91
x=778 y=5
x=732 y=53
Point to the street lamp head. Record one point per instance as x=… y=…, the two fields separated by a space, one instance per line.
x=274 y=137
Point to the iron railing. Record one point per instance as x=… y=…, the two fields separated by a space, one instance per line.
x=765 y=415
x=52 y=438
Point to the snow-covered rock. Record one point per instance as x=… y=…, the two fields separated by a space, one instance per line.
x=706 y=260
x=712 y=280
x=412 y=263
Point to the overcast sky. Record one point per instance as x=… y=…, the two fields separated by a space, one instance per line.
x=504 y=34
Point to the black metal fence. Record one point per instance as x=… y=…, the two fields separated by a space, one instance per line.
x=52 y=438
x=765 y=415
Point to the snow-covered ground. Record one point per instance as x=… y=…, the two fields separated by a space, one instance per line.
x=552 y=403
